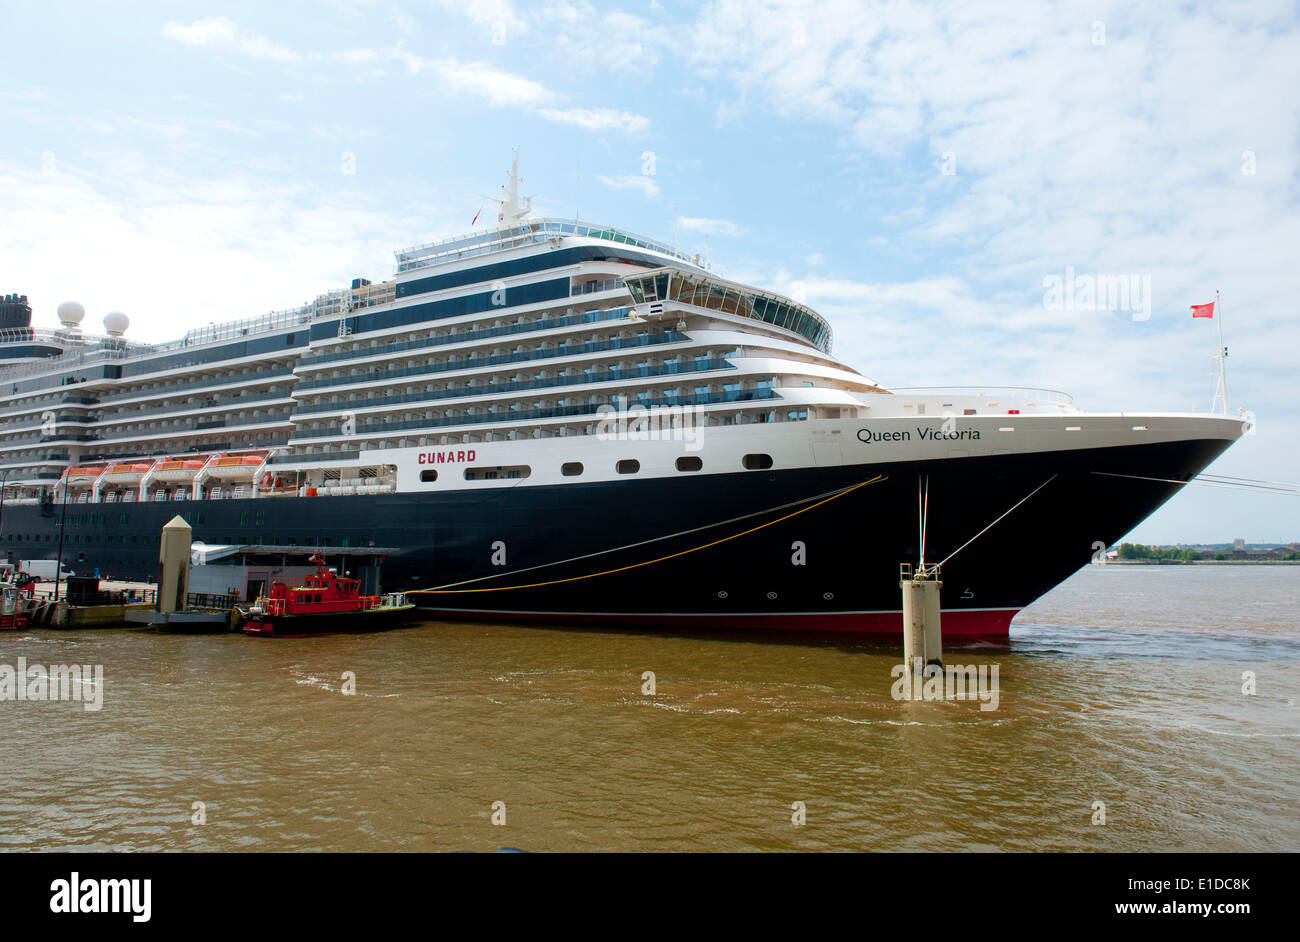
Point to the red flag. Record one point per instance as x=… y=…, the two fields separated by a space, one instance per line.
x=1203 y=310
x=476 y=215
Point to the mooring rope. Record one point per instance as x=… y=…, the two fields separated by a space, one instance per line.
x=995 y=522
x=820 y=499
x=1247 y=485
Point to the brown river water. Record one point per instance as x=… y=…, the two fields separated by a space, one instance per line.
x=1122 y=686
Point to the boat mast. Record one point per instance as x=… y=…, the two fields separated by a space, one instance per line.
x=1221 y=390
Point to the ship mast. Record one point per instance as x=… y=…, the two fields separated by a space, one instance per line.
x=511 y=208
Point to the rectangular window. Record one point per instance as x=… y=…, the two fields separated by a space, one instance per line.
x=492 y=474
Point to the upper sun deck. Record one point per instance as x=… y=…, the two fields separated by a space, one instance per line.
x=536 y=231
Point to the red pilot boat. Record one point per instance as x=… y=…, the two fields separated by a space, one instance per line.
x=325 y=604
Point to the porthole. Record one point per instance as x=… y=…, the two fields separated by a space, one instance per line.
x=571 y=469
x=757 y=462
x=628 y=466
x=428 y=476
x=689 y=463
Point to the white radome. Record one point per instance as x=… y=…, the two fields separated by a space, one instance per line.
x=71 y=314
x=116 y=323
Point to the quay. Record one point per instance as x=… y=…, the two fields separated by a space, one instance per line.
x=200 y=586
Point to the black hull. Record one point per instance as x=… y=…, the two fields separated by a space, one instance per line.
x=713 y=576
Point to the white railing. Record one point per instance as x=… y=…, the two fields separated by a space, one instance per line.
x=466 y=246
x=990 y=392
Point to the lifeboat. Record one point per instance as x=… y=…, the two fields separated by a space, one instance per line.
x=84 y=471
x=127 y=472
x=179 y=469
x=235 y=467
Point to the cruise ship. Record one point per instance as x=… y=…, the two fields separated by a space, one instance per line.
x=552 y=421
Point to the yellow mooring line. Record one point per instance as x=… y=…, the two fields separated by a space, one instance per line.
x=650 y=562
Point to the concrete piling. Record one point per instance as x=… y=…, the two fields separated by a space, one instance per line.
x=173 y=565
x=922 y=637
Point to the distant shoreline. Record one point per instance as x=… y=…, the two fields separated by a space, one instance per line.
x=1202 y=562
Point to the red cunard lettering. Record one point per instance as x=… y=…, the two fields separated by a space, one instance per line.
x=440 y=457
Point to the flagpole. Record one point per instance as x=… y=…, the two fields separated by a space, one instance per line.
x=1223 y=353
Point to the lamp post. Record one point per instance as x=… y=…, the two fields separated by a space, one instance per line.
x=63 y=519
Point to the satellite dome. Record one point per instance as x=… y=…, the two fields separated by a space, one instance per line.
x=115 y=324
x=71 y=314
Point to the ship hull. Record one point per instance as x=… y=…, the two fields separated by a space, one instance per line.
x=804 y=549
x=325 y=623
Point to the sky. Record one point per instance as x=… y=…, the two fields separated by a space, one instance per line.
x=919 y=173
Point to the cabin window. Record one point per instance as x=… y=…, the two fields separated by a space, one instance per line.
x=628 y=466
x=757 y=462
x=689 y=463
x=571 y=469
x=492 y=474
x=428 y=476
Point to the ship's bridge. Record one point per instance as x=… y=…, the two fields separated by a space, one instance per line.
x=684 y=286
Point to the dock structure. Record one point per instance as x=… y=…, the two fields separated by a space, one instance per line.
x=181 y=622
x=217 y=576
x=247 y=570
x=172 y=612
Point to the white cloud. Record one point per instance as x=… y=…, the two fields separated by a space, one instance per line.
x=590 y=40
x=1113 y=159
x=359 y=56
x=498 y=87
x=598 y=119
x=710 y=226
x=221 y=33
x=633 y=181
x=147 y=241
x=485 y=81
x=491 y=14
